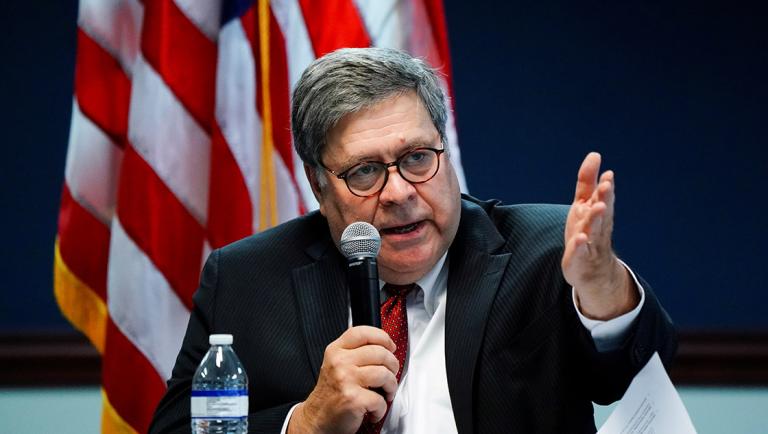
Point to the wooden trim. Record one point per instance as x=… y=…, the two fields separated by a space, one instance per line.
x=728 y=358
x=44 y=360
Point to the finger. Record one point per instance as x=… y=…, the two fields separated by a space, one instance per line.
x=578 y=220
x=374 y=377
x=608 y=175
x=595 y=221
x=575 y=249
x=367 y=355
x=587 y=177
x=600 y=218
x=374 y=355
x=609 y=197
x=375 y=405
x=586 y=233
x=591 y=235
x=364 y=335
x=604 y=188
x=591 y=220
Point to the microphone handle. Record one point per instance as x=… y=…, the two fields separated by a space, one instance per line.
x=363 y=275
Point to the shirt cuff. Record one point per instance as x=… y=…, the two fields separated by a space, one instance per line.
x=609 y=335
x=284 y=430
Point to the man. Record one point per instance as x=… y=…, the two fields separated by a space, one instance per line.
x=520 y=316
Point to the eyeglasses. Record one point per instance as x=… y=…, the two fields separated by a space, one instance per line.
x=369 y=177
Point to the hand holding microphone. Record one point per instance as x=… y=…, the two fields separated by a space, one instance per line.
x=358 y=374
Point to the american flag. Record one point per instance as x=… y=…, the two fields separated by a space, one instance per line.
x=179 y=144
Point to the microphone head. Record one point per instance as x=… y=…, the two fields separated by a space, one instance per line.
x=360 y=240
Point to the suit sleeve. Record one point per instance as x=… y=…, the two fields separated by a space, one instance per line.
x=172 y=415
x=609 y=373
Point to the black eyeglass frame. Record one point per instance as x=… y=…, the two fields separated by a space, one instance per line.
x=396 y=163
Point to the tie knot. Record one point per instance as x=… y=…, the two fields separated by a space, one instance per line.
x=399 y=290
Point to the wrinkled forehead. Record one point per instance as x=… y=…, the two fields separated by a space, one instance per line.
x=382 y=130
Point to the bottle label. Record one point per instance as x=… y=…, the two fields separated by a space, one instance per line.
x=219 y=403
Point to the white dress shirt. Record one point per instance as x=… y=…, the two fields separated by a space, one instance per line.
x=422 y=402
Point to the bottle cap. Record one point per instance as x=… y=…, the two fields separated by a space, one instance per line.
x=220 y=339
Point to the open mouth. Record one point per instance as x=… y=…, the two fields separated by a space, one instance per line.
x=399 y=230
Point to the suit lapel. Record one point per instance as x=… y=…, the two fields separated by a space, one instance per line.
x=322 y=298
x=475 y=273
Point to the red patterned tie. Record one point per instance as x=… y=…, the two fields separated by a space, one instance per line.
x=394 y=321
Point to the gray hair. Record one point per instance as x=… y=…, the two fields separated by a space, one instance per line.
x=351 y=79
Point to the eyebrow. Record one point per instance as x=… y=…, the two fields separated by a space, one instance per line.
x=355 y=160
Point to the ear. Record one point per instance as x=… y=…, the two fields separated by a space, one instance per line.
x=311 y=175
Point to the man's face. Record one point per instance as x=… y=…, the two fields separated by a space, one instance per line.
x=417 y=222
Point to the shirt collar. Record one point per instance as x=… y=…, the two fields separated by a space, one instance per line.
x=433 y=285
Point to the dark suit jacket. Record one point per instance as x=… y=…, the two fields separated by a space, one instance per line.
x=517 y=357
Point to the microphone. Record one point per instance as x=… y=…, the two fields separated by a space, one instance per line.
x=360 y=244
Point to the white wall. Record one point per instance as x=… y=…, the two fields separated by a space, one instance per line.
x=77 y=410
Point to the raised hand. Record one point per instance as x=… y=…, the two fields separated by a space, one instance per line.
x=355 y=364
x=603 y=286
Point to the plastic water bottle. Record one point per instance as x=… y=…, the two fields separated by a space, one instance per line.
x=220 y=391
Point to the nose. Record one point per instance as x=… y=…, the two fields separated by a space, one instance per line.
x=397 y=190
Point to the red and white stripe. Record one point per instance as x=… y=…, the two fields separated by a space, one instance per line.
x=179 y=143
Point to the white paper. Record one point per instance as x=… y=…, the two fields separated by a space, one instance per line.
x=650 y=405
